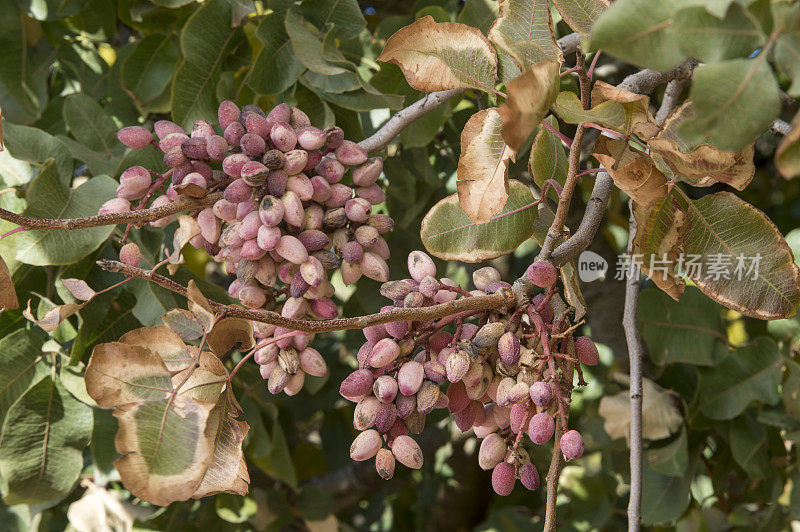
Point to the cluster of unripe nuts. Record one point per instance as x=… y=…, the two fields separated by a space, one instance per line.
x=492 y=372
x=289 y=212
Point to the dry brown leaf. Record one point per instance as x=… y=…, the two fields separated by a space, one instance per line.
x=53 y=317
x=632 y=172
x=188 y=228
x=79 y=289
x=229 y=334
x=206 y=382
x=660 y=417
x=119 y=373
x=529 y=98
x=787 y=156
x=658 y=231
x=200 y=307
x=572 y=289
x=700 y=165
x=228 y=472
x=165 y=343
x=437 y=56
x=8 y=296
x=637 y=108
x=483 y=166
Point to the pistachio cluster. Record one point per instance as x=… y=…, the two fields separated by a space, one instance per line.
x=503 y=375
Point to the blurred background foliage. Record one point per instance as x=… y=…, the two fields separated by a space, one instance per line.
x=723 y=420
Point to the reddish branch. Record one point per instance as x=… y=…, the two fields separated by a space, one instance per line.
x=497 y=301
x=144 y=215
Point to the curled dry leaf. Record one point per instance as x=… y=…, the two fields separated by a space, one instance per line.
x=638 y=119
x=483 y=166
x=660 y=417
x=200 y=307
x=632 y=171
x=230 y=334
x=437 y=56
x=529 y=98
x=572 y=289
x=8 y=296
x=188 y=228
x=524 y=30
x=787 y=156
x=79 y=289
x=165 y=343
x=51 y=319
x=703 y=164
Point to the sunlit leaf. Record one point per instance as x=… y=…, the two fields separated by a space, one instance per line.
x=608 y=113
x=448 y=233
x=581 y=14
x=439 y=56
x=660 y=416
x=529 y=98
x=483 y=166
x=524 y=30
x=638 y=119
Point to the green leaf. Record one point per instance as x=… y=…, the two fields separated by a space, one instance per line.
x=748 y=440
x=478 y=14
x=206 y=39
x=747 y=374
x=524 y=30
x=89 y=124
x=734 y=101
x=790 y=391
x=581 y=14
x=148 y=71
x=344 y=16
x=671 y=459
x=640 y=32
x=14 y=172
x=307 y=42
x=97 y=143
x=440 y=56
x=787 y=156
x=49 y=198
x=276 y=67
x=336 y=84
x=787 y=58
x=548 y=158
x=664 y=497
x=21 y=357
x=41 y=448
x=608 y=113
x=36 y=146
x=709 y=39
x=680 y=332
x=15 y=71
x=50 y=9
x=723 y=229
x=449 y=234
x=361 y=100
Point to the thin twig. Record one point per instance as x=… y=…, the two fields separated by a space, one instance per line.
x=635 y=350
x=497 y=301
x=144 y=215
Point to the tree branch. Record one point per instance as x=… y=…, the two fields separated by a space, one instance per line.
x=672 y=95
x=144 y=215
x=388 y=131
x=498 y=301
x=592 y=217
x=635 y=351
x=644 y=81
